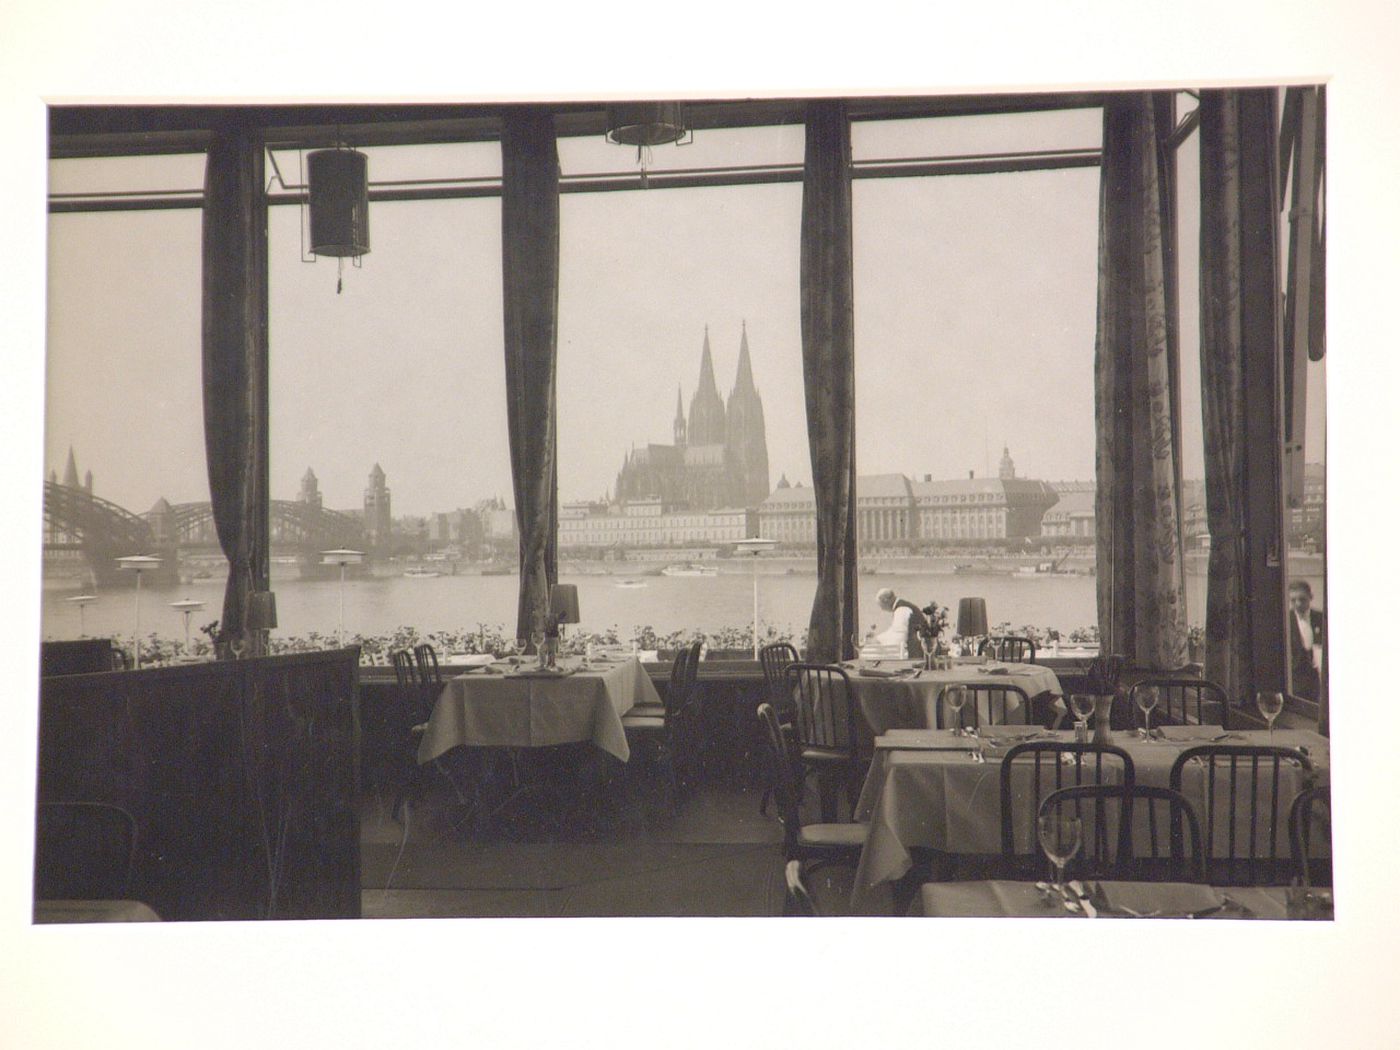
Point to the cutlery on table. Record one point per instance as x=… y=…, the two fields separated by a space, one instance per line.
x=1077 y=888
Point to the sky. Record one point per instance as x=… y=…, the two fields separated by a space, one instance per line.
x=974 y=307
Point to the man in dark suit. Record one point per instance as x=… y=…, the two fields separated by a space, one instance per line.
x=1307 y=634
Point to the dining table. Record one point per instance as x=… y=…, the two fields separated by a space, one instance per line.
x=1002 y=899
x=938 y=790
x=902 y=694
x=516 y=704
x=90 y=911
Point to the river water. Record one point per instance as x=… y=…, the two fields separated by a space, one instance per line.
x=378 y=605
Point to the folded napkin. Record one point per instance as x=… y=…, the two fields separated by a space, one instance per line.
x=1167 y=899
x=538 y=672
x=994 y=670
x=875 y=672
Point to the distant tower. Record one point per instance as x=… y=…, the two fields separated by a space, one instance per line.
x=70 y=471
x=678 y=427
x=311 y=489
x=376 y=508
x=1007 y=470
x=745 y=433
x=87 y=482
x=706 y=408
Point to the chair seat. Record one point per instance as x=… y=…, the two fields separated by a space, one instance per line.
x=419 y=729
x=643 y=722
x=816 y=757
x=655 y=710
x=833 y=836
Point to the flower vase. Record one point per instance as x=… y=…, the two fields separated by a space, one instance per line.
x=1103 y=709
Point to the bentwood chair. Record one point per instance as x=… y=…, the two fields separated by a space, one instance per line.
x=1305 y=817
x=83 y=851
x=798 y=902
x=429 y=674
x=1000 y=702
x=814 y=844
x=1009 y=647
x=674 y=733
x=1246 y=791
x=775 y=659
x=1112 y=847
x=824 y=732
x=1032 y=771
x=1182 y=701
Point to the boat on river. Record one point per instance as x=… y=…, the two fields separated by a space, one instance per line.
x=421 y=574
x=689 y=569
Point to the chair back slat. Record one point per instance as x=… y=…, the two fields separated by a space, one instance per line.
x=1122 y=855
x=1089 y=763
x=425 y=657
x=997 y=698
x=1182 y=701
x=775 y=659
x=783 y=781
x=1258 y=781
x=825 y=708
x=1302 y=815
x=1013 y=648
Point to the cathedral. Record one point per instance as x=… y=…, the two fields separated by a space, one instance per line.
x=720 y=454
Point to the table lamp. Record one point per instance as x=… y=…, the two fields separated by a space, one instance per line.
x=972 y=617
x=563 y=605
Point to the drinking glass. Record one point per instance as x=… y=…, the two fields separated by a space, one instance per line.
x=855 y=646
x=955 y=696
x=1082 y=704
x=1146 y=699
x=1060 y=838
x=1270 y=704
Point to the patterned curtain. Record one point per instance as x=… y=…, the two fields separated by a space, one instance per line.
x=235 y=366
x=828 y=365
x=530 y=271
x=1141 y=593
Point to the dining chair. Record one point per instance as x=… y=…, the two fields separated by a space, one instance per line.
x=429 y=674
x=814 y=844
x=1305 y=817
x=1182 y=700
x=775 y=659
x=83 y=851
x=673 y=733
x=1115 y=850
x=1245 y=791
x=824 y=732
x=408 y=721
x=999 y=700
x=1034 y=769
x=1008 y=647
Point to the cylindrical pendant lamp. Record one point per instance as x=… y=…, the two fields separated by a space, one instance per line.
x=338 y=194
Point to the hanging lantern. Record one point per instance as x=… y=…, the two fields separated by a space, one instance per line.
x=338 y=196
x=647 y=124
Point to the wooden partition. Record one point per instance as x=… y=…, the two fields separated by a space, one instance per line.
x=242 y=777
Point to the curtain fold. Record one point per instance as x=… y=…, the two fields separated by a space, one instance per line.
x=1222 y=394
x=530 y=277
x=1141 y=597
x=235 y=367
x=828 y=366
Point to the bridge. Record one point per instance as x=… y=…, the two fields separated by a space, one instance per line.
x=75 y=519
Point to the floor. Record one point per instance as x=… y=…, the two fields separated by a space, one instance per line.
x=568 y=832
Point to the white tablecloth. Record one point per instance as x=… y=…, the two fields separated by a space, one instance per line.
x=1001 y=899
x=909 y=702
x=941 y=799
x=483 y=709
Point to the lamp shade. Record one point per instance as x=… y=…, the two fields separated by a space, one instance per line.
x=262 y=611
x=338 y=195
x=646 y=123
x=563 y=603
x=972 y=617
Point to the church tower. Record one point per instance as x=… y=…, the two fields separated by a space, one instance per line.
x=377 y=520
x=745 y=433
x=706 y=408
x=678 y=427
x=310 y=489
x=1007 y=470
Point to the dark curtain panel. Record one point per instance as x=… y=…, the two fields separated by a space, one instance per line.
x=1222 y=393
x=530 y=256
x=1141 y=598
x=828 y=365
x=1241 y=385
x=235 y=365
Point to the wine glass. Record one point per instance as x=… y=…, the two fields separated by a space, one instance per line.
x=856 y=646
x=1146 y=699
x=1270 y=704
x=521 y=644
x=955 y=696
x=1082 y=704
x=1060 y=838
x=926 y=641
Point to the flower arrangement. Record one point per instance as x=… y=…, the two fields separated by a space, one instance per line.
x=935 y=620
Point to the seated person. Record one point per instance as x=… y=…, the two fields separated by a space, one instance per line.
x=906 y=621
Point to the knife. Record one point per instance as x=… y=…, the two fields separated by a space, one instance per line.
x=1084 y=901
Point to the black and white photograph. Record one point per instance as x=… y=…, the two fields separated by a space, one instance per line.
x=599 y=530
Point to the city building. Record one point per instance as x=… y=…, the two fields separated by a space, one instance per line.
x=310 y=492
x=718 y=457
x=378 y=523
x=1072 y=518
x=603 y=526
